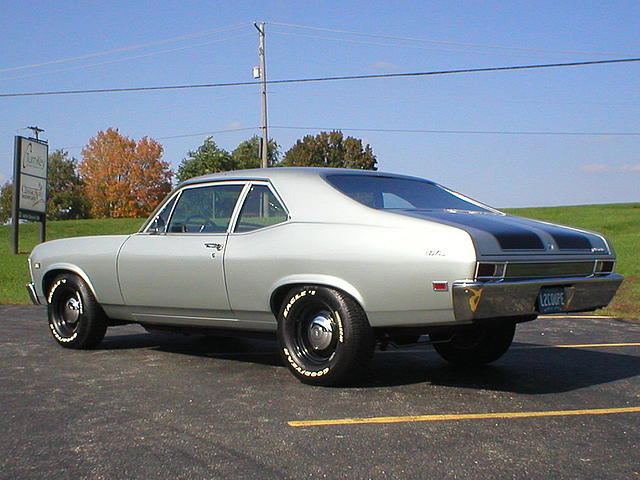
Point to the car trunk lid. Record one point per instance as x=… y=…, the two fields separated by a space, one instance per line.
x=496 y=234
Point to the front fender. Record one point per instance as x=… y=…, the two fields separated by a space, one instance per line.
x=59 y=267
x=91 y=258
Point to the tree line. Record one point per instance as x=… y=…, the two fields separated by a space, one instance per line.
x=118 y=176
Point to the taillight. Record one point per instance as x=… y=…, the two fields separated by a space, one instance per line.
x=604 y=267
x=490 y=271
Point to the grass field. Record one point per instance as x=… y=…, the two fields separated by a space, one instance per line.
x=619 y=222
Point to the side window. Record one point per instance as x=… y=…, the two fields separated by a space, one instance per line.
x=159 y=223
x=261 y=209
x=204 y=209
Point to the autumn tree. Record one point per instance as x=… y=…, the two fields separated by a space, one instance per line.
x=247 y=154
x=207 y=158
x=122 y=177
x=330 y=149
x=66 y=198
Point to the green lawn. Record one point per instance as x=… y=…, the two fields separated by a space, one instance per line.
x=619 y=222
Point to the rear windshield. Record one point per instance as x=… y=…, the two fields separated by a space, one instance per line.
x=391 y=193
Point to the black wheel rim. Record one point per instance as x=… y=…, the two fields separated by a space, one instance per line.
x=316 y=334
x=67 y=312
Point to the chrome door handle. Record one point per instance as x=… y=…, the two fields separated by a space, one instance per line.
x=217 y=246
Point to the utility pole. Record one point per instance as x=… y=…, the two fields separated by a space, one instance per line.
x=36 y=131
x=264 y=150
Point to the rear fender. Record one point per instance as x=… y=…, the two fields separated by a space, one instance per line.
x=315 y=279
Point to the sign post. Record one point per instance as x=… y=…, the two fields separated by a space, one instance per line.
x=29 y=185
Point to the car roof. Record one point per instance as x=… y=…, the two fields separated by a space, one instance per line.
x=309 y=198
x=283 y=173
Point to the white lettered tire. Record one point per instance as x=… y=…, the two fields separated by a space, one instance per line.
x=324 y=335
x=76 y=319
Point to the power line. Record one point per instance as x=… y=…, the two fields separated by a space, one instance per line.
x=443 y=42
x=128 y=48
x=387 y=130
x=322 y=79
x=125 y=59
x=415 y=47
x=186 y=135
x=215 y=132
x=480 y=132
x=430 y=99
x=379 y=130
x=479 y=97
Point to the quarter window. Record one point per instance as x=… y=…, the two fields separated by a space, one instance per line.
x=204 y=209
x=261 y=209
x=400 y=193
x=159 y=222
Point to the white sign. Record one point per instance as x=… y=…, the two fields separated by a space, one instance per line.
x=33 y=193
x=33 y=158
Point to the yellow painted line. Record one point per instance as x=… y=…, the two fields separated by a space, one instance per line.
x=532 y=347
x=577 y=317
x=462 y=416
x=591 y=345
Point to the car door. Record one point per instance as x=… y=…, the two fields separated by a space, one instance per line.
x=174 y=271
x=253 y=260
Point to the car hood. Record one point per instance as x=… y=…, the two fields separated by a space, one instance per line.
x=73 y=247
x=497 y=234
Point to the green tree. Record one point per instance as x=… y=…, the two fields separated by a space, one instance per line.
x=66 y=198
x=207 y=158
x=6 y=197
x=330 y=149
x=247 y=153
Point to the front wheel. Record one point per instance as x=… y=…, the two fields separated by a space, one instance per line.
x=324 y=335
x=477 y=346
x=76 y=319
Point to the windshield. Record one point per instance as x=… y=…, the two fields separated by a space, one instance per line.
x=391 y=193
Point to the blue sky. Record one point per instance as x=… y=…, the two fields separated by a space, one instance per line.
x=502 y=170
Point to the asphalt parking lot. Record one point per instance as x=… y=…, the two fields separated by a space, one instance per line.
x=563 y=403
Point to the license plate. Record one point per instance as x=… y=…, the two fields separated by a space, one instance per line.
x=551 y=299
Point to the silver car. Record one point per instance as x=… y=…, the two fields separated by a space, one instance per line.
x=335 y=261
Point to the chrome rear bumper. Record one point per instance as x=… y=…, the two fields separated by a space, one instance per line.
x=31 y=289
x=476 y=300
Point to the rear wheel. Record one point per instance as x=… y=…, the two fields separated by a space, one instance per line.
x=76 y=319
x=324 y=336
x=477 y=346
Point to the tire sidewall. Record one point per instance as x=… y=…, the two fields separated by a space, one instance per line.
x=88 y=324
x=307 y=371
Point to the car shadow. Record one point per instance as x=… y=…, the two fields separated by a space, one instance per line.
x=526 y=368
x=252 y=350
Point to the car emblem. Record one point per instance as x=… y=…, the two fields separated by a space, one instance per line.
x=474 y=299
